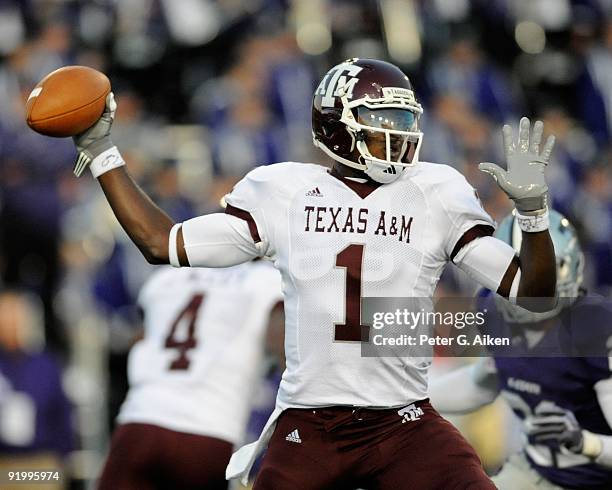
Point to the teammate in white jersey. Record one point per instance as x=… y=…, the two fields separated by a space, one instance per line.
x=192 y=376
x=379 y=223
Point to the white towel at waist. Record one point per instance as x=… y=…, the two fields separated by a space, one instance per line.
x=242 y=460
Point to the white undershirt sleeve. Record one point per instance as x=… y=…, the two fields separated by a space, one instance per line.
x=465 y=389
x=219 y=240
x=603 y=389
x=515 y=287
x=173 y=246
x=486 y=260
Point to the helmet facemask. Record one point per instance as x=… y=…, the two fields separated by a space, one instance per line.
x=385 y=132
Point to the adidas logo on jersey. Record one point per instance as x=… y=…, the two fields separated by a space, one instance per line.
x=410 y=413
x=294 y=436
x=314 y=193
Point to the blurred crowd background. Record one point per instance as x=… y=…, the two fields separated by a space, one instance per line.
x=208 y=89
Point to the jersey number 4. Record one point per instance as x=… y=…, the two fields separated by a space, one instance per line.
x=351 y=259
x=188 y=317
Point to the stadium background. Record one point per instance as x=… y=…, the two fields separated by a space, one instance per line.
x=208 y=89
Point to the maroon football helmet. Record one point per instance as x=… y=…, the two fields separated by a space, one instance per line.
x=365 y=115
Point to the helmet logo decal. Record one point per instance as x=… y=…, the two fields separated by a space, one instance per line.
x=404 y=94
x=339 y=81
x=356 y=88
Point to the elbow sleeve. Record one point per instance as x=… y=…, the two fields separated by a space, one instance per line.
x=217 y=240
x=485 y=260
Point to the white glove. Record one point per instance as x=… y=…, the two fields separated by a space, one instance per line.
x=95 y=140
x=523 y=181
x=554 y=426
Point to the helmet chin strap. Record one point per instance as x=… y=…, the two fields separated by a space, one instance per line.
x=383 y=173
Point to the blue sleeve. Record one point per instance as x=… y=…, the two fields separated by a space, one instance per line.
x=484 y=302
x=599 y=368
x=590 y=322
x=481 y=298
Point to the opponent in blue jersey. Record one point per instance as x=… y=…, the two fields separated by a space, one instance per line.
x=565 y=403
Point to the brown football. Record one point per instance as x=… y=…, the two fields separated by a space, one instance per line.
x=67 y=101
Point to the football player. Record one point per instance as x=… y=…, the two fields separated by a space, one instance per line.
x=191 y=376
x=378 y=223
x=565 y=403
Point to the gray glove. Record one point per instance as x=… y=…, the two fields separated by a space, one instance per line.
x=554 y=426
x=95 y=140
x=523 y=180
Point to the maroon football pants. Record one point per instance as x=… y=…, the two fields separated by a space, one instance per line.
x=148 y=457
x=341 y=448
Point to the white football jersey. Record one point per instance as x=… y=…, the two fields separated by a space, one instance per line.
x=336 y=241
x=199 y=360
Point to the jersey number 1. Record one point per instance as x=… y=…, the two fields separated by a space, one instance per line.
x=188 y=315
x=351 y=258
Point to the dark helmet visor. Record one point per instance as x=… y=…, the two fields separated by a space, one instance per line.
x=393 y=119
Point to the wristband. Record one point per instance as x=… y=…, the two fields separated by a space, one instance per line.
x=591 y=444
x=512 y=297
x=533 y=223
x=172 y=247
x=105 y=161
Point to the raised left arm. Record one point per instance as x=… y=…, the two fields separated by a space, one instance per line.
x=531 y=277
